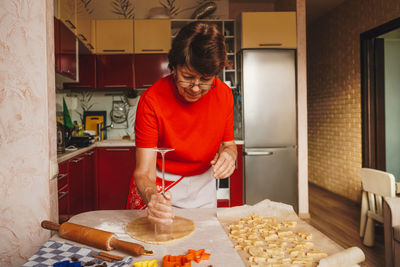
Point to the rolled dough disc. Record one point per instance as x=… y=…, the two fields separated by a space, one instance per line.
x=141 y=229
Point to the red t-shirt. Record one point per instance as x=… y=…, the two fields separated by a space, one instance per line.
x=194 y=130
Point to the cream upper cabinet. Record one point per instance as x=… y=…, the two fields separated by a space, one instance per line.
x=67 y=13
x=268 y=30
x=84 y=25
x=114 y=36
x=152 y=36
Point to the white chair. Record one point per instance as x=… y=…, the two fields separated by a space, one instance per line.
x=376 y=185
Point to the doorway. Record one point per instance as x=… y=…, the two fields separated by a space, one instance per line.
x=380 y=92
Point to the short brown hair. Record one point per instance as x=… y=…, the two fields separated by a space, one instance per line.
x=199 y=46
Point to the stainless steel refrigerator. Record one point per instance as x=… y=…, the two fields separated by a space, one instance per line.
x=268 y=85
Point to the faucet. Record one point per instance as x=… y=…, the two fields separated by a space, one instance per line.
x=100 y=129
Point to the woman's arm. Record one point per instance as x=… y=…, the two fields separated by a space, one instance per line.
x=224 y=160
x=159 y=207
x=145 y=172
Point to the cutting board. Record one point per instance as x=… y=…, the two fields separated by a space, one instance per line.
x=92 y=118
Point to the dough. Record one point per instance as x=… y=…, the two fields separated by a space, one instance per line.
x=141 y=229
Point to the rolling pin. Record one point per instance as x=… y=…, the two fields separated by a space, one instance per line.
x=94 y=237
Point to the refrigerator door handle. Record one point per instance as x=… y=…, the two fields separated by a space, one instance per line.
x=258 y=153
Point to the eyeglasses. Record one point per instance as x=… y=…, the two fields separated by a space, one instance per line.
x=202 y=86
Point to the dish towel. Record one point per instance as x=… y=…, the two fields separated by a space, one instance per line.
x=54 y=251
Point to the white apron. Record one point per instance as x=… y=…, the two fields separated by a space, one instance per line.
x=198 y=191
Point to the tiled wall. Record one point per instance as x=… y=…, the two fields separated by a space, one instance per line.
x=334 y=92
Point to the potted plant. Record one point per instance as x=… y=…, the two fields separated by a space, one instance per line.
x=131 y=97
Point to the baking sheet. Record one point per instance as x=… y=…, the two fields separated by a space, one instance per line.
x=282 y=212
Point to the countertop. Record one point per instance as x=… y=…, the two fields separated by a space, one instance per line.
x=209 y=235
x=105 y=143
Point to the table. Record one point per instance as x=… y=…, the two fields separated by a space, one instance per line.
x=209 y=235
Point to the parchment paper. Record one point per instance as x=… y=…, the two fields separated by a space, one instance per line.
x=283 y=212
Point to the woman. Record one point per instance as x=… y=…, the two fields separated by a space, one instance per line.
x=191 y=111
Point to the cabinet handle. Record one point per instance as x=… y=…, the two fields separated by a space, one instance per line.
x=114 y=50
x=61 y=176
x=89 y=153
x=70 y=23
x=271 y=44
x=83 y=37
x=152 y=50
x=115 y=86
x=62 y=194
x=147 y=85
x=117 y=149
x=77 y=160
x=256 y=153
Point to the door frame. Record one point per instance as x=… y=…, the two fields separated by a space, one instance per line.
x=372 y=95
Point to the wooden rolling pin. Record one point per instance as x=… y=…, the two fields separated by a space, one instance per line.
x=95 y=238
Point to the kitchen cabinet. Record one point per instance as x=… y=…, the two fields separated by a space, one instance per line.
x=87 y=73
x=152 y=36
x=76 y=184
x=89 y=181
x=57 y=44
x=114 y=36
x=67 y=13
x=230 y=190
x=236 y=180
x=115 y=71
x=115 y=166
x=84 y=25
x=149 y=68
x=66 y=63
x=268 y=30
x=63 y=192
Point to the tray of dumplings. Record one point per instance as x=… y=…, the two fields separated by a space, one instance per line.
x=271 y=234
x=269 y=241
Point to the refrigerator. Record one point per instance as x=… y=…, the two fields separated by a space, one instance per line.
x=268 y=89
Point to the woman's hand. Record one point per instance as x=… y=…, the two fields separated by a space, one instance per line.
x=225 y=161
x=159 y=209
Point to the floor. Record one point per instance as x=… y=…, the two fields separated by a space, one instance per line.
x=339 y=219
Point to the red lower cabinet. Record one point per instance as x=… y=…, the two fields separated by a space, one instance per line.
x=235 y=184
x=77 y=184
x=63 y=192
x=115 y=166
x=89 y=175
x=236 y=180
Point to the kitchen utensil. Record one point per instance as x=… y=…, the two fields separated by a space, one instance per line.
x=118 y=113
x=94 y=237
x=163 y=151
x=163 y=231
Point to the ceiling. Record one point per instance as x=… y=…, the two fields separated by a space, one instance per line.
x=318 y=8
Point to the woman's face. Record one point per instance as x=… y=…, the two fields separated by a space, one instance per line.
x=192 y=85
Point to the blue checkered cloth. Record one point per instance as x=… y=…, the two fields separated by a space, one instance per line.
x=52 y=252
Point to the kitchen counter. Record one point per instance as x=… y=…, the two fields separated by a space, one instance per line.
x=209 y=235
x=105 y=143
